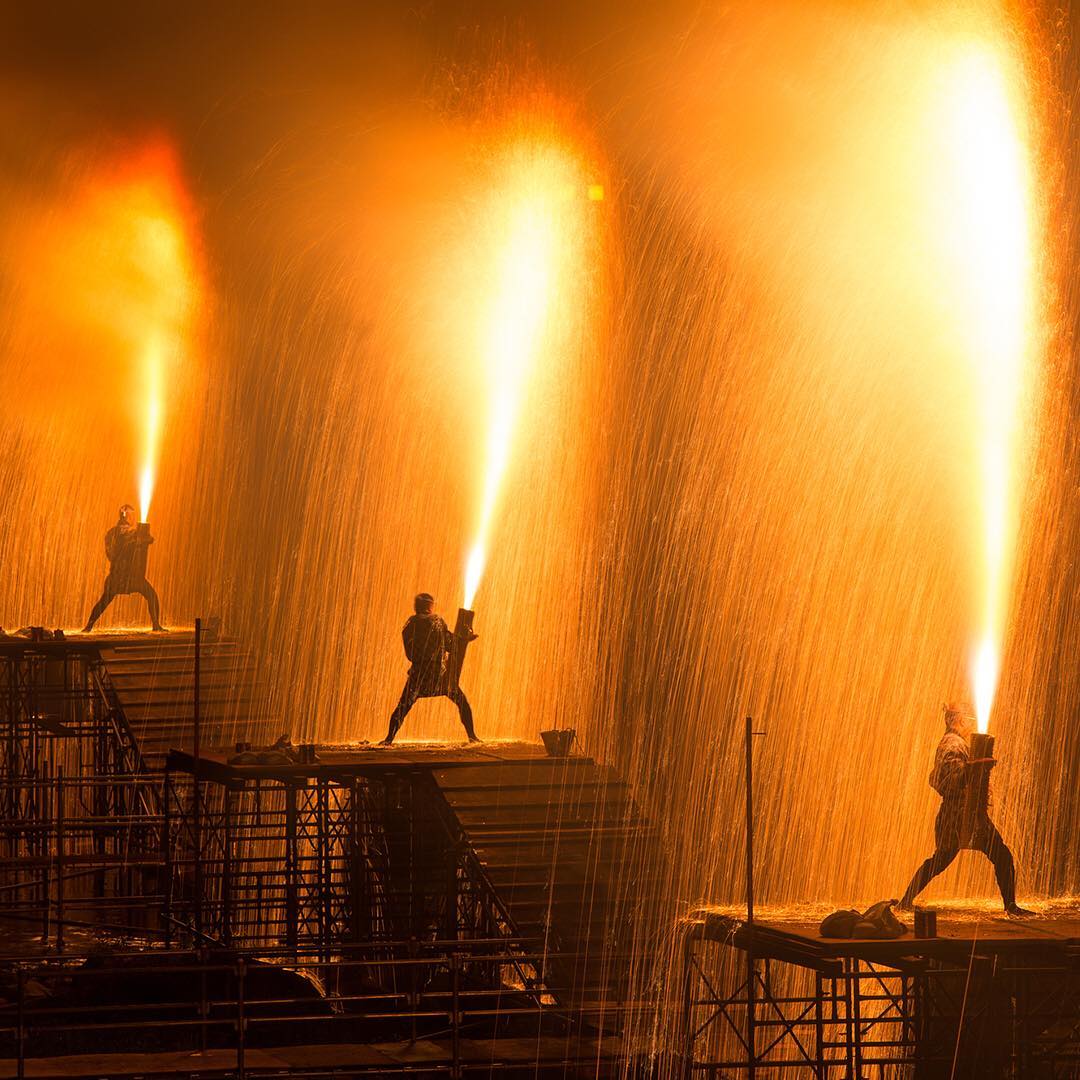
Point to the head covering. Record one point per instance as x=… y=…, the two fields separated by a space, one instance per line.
x=423 y=601
x=958 y=710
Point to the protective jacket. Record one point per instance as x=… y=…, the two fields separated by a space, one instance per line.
x=961 y=820
x=127 y=563
x=426 y=640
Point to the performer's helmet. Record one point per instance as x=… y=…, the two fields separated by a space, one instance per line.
x=423 y=602
x=959 y=710
x=126 y=506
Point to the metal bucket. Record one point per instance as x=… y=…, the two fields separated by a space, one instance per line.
x=557 y=743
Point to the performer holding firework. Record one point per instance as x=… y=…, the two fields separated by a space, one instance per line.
x=964 y=818
x=126 y=546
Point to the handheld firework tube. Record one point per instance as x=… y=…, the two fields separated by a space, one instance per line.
x=142 y=548
x=982 y=746
x=463 y=634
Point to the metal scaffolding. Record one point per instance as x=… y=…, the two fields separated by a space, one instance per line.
x=79 y=815
x=313 y=860
x=275 y=1012
x=759 y=1001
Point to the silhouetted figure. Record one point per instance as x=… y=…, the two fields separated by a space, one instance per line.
x=127 y=568
x=962 y=822
x=427 y=641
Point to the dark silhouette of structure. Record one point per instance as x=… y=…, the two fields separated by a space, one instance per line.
x=125 y=545
x=963 y=820
x=427 y=643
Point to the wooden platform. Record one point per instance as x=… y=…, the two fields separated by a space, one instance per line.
x=959 y=937
x=149 y=680
x=357 y=759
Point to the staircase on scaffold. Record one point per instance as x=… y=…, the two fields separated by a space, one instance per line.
x=568 y=857
x=152 y=683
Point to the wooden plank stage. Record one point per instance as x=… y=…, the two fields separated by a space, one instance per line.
x=961 y=934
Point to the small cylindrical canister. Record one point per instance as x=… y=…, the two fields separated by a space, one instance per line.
x=142 y=549
x=982 y=746
x=925 y=923
x=463 y=633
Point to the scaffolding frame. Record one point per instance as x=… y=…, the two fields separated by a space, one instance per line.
x=324 y=861
x=212 y=1005
x=753 y=1006
x=80 y=816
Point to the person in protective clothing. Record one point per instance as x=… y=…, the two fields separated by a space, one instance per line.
x=427 y=641
x=962 y=822
x=124 y=546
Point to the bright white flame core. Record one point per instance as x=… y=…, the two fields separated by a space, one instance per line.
x=153 y=363
x=985 y=668
x=991 y=237
x=533 y=234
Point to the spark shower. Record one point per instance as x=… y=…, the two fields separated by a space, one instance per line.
x=779 y=426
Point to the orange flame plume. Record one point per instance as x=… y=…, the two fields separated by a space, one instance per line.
x=991 y=233
x=534 y=215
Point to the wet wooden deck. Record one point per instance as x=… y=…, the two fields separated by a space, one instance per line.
x=363 y=758
x=960 y=936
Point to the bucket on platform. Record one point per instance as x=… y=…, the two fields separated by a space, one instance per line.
x=925 y=923
x=557 y=743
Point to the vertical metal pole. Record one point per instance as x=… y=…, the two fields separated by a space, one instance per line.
x=60 y=858
x=455 y=1020
x=227 y=868
x=857 y=1024
x=195 y=703
x=167 y=857
x=819 y=1026
x=324 y=873
x=750 y=819
x=359 y=902
x=292 y=904
x=41 y=843
x=690 y=967
x=241 y=1017
x=751 y=995
x=204 y=997
x=20 y=978
x=197 y=804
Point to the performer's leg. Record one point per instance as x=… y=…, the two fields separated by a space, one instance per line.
x=929 y=870
x=407 y=700
x=146 y=590
x=107 y=596
x=997 y=851
x=464 y=711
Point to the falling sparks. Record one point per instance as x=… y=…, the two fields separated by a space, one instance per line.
x=760 y=494
x=992 y=235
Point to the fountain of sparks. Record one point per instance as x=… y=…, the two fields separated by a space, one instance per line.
x=756 y=482
x=466 y=400
x=847 y=435
x=534 y=230
x=115 y=279
x=989 y=235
